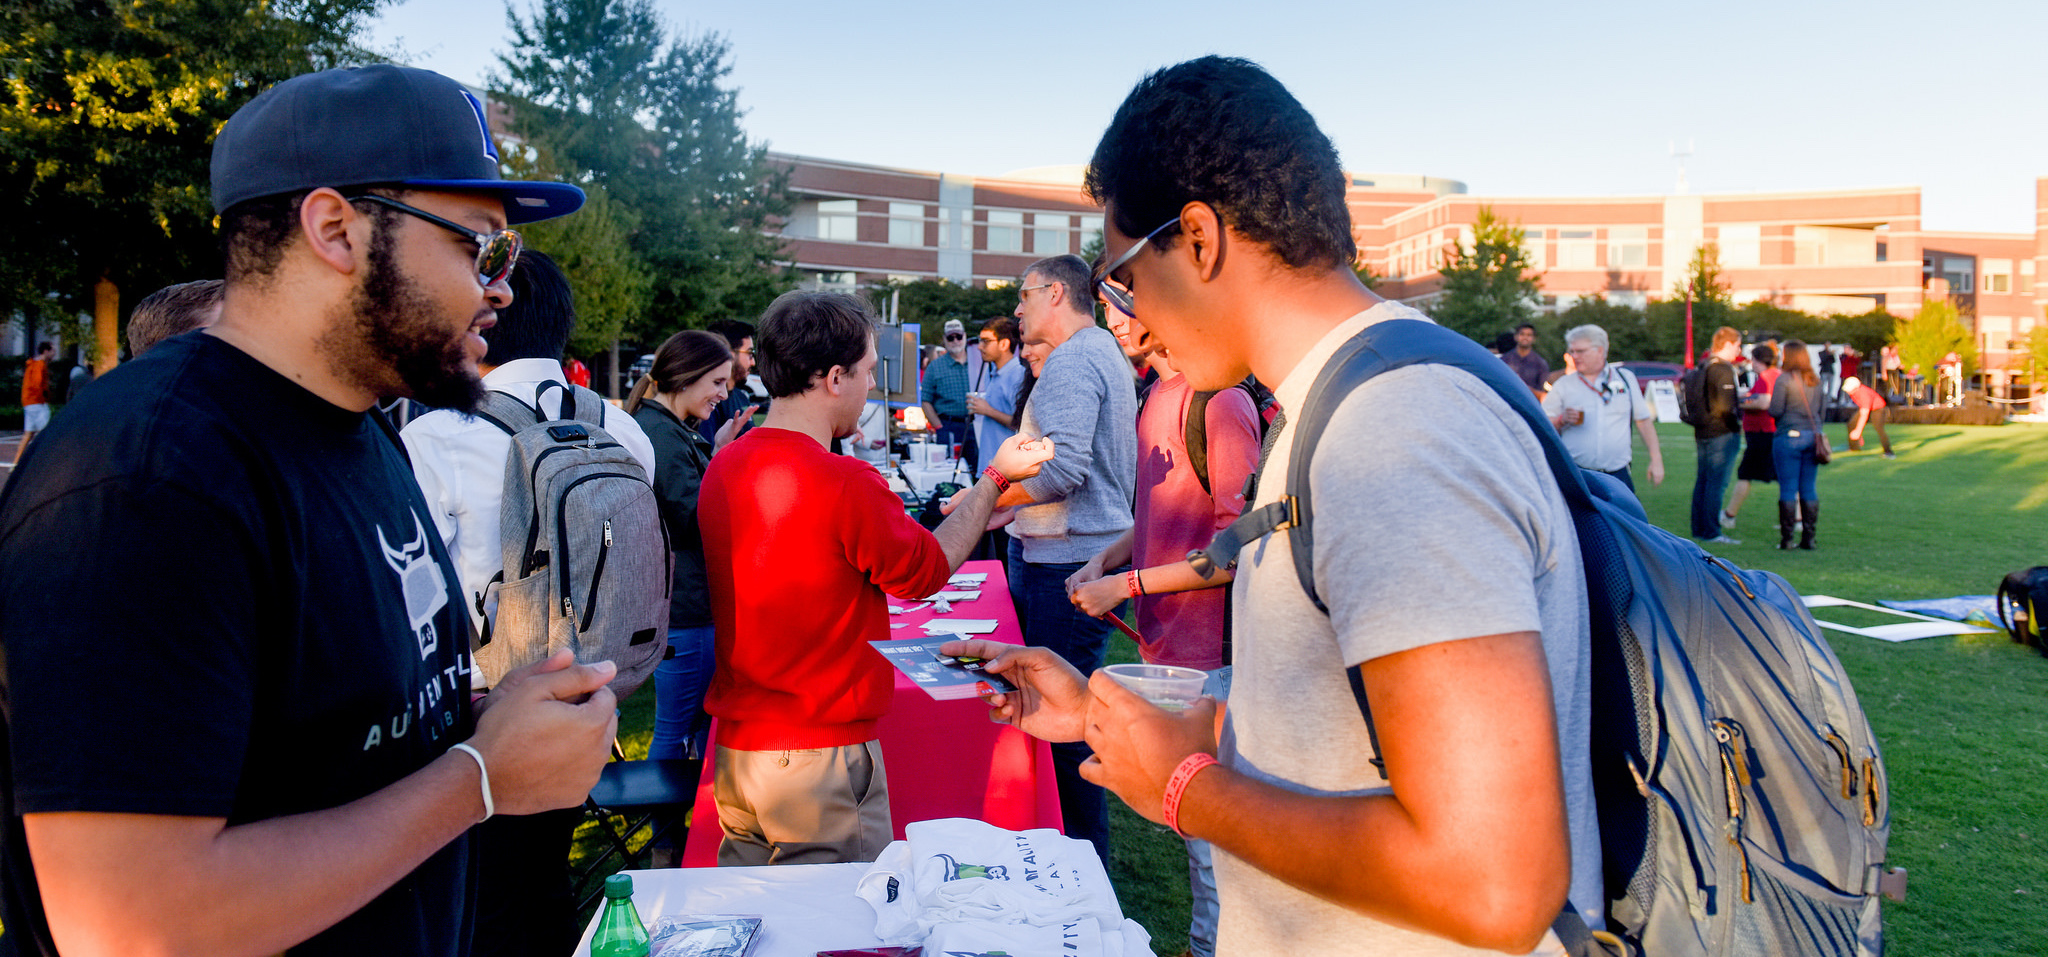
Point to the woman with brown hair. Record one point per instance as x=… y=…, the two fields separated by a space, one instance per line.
x=692 y=374
x=1800 y=407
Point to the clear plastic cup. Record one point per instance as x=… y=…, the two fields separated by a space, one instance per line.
x=1166 y=686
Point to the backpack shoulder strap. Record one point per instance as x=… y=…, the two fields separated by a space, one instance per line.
x=507 y=412
x=1195 y=434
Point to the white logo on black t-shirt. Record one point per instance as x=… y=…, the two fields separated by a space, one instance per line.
x=426 y=592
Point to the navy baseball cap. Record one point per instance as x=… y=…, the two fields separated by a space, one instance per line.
x=368 y=125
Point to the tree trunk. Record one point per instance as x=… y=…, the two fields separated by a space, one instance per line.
x=106 y=326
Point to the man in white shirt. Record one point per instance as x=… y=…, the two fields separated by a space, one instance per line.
x=460 y=460
x=1593 y=406
x=524 y=903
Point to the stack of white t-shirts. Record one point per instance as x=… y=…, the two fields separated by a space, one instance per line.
x=1028 y=892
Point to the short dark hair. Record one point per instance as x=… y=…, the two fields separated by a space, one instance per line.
x=804 y=334
x=1006 y=328
x=1223 y=131
x=1074 y=273
x=1762 y=352
x=173 y=310
x=255 y=232
x=734 y=331
x=1527 y=325
x=536 y=325
x=45 y=346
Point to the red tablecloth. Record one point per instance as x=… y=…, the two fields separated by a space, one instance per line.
x=945 y=758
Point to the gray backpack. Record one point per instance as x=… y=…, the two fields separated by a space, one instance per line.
x=586 y=557
x=1743 y=803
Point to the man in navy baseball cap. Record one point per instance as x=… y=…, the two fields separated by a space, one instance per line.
x=293 y=761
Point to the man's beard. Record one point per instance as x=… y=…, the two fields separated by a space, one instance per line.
x=398 y=344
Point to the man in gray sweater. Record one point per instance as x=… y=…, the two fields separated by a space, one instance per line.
x=1086 y=401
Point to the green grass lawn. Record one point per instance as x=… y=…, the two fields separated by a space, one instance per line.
x=1963 y=721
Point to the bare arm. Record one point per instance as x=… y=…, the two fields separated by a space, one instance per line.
x=1100 y=595
x=1471 y=845
x=1649 y=434
x=142 y=884
x=967 y=514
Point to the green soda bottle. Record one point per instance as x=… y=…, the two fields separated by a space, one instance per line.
x=619 y=931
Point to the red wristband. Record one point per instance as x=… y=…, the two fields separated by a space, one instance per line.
x=1170 y=802
x=1133 y=584
x=1002 y=484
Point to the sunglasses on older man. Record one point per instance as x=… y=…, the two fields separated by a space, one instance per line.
x=495 y=252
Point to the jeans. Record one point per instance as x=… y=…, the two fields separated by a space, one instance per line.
x=1717 y=460
x=680 y=724
x=1793 y=458
x=1203 y=907
x=1050 y=620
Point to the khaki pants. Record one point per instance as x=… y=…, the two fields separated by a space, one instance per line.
x=815 y=806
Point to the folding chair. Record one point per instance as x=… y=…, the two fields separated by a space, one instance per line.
x=629 y=796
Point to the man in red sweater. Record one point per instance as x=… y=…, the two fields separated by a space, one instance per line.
x=803 y=548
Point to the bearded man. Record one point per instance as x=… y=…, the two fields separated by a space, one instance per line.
x=276 y=765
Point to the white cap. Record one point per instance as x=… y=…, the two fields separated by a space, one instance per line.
x=954 y=325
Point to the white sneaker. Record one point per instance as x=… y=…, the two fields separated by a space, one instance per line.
x=1727 y=520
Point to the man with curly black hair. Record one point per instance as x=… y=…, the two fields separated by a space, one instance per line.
x=1443 y=549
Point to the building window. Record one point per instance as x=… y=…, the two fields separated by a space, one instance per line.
x=832 y=282
x=1741 y=247
x=1994 y=331
x=2026 y=276
x=1961 y=273
x=1532 y=248
x=906 y=224
x=1628 y=247
x=839 y=219
x=1049 y=234
x=1091 y=231
x=1005 y=231
x=1997 y=275
x=1575 y=249
x=998 y=283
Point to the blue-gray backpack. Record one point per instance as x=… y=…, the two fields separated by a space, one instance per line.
x=586 y=557
x=1742 y=799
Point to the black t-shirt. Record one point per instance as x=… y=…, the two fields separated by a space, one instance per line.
x=220 y=596
x=1724 y=409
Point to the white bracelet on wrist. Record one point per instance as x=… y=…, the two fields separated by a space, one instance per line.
x=485 y=773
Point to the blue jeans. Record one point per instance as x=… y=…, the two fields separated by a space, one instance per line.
x=1203 y=906
x=1050 y=620
x=1717 y=460
x=1793 y=458
x=680 y=724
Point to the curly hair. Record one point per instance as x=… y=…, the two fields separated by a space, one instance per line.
x=1223 y=131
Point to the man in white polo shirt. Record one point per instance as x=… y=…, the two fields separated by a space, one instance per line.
x=1593 y=406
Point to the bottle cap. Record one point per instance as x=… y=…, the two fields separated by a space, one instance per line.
x=618 y=887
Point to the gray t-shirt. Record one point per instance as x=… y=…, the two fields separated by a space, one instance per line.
x=1435 y=520
x=1086 y=401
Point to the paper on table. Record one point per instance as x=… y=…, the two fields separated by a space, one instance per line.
x=951 y=595
x=967 y=578
x=904 y=610
x=965 y=626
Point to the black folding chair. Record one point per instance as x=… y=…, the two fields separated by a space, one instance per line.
x=631 y=796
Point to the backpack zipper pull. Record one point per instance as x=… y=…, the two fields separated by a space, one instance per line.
x=1848 y=763
x=607 y=533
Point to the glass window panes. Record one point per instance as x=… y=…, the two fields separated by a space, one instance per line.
x=1575 y=249
x=1628 y=247
x=1741 y=247
x=839 y=219
x=906 y=224
x=1005 y=231
x=1049 y=234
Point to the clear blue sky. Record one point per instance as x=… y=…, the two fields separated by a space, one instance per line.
x=1513 y=98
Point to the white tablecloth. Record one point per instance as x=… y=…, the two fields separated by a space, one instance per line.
x=804 y=908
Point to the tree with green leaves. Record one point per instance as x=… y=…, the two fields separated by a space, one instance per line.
x=1488 y=288
x=107 y=115
x=1712 y=307
x=1935 y=331
x=1627 y=333
x=603 y=91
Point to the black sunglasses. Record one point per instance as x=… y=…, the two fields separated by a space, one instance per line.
x=955 y=335
x=495 y=252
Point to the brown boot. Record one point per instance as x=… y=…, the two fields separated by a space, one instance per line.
x=1788 y=519
x=1809 y=517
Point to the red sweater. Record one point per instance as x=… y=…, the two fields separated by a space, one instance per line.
x=801 y=546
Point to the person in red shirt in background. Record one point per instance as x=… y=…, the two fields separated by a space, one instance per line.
x=1870 y=410
x=1758 y=428
x=579 y=374
x=802 y=548
x=35 y=405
